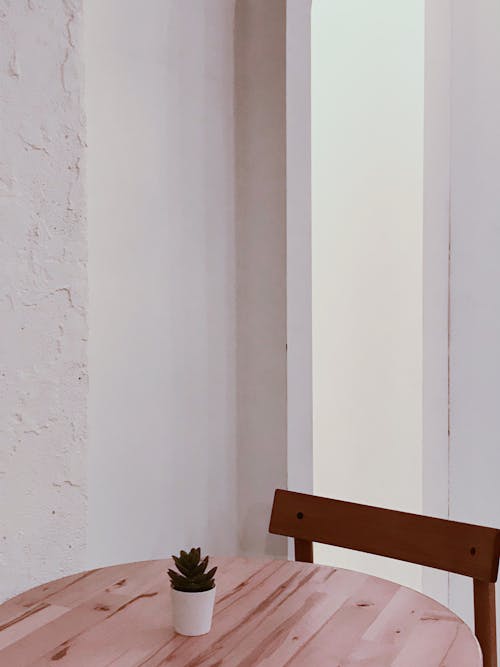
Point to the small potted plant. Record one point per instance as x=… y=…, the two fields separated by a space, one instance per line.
x=193 y=593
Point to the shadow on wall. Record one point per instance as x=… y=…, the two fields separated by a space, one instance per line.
x=260 y=212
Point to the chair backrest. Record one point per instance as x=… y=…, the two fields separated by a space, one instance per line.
x=463 y=548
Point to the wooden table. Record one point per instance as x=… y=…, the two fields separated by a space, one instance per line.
x=268 y=612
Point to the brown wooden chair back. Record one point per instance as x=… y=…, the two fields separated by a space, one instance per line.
x=462 y=548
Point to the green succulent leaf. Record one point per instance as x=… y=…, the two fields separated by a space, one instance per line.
x=201 y=567
x=205 y=576
x=191 y=575
x=177 y=578
x=183 y=569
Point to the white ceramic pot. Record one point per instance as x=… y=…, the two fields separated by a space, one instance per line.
x=193 y=612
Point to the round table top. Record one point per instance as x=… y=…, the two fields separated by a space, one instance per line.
x=267 y=612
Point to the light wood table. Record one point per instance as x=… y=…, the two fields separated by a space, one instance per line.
x=268 y=612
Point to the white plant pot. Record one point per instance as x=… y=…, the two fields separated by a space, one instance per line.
x=193 y=612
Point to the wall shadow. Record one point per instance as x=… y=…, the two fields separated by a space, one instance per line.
x=260 y=238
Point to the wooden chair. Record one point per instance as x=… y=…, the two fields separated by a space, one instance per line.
x=463 y=548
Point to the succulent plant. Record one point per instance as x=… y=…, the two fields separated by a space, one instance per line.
x=192 y=576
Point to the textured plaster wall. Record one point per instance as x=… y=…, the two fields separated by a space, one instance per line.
x=43 y=297
x=187 y=402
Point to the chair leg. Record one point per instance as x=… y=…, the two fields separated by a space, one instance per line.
x=303 y=550
x=485 y=621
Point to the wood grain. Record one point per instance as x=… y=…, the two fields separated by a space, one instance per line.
x=463 y=548
x=485 y=620
x=267 y=612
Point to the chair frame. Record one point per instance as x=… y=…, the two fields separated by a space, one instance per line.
x=452 y=546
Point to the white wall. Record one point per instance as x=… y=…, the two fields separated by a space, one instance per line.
x=436 y=234
x=43 y=299
x=187 y=404
x=162 y=472
x=298 y=246
x=475 y=272
x=186 y=198
x=367 y=199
